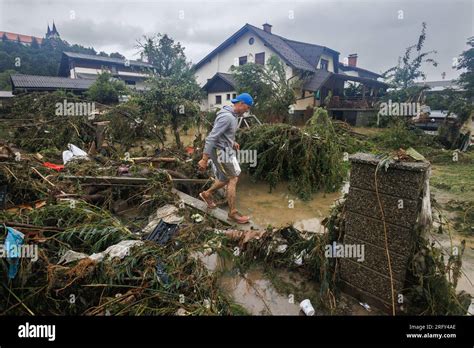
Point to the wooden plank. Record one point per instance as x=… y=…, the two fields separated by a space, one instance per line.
x=218 y=213
x=154 y=159
x=108 y=179
x=126 y=180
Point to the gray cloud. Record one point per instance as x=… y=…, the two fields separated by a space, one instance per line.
x=367 y=27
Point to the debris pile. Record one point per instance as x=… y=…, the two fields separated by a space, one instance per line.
x=110 y=236
x=309 y=158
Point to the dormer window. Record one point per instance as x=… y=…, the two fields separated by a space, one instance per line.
x=324 y=64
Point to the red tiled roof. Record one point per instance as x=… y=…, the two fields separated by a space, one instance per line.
x=23 y=38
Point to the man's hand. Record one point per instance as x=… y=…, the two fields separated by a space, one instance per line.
x=202 y=164
x=236 y=146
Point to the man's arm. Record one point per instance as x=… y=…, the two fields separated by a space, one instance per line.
x=219 y=128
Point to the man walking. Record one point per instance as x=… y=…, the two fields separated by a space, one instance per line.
x=220 y=146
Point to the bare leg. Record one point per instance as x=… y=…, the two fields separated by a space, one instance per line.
x=215 y=186
x=231 y=193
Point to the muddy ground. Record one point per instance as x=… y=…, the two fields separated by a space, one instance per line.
x=268 y=291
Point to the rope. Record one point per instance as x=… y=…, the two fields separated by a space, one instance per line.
x=386 y=243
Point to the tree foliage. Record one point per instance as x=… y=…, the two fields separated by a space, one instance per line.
x=466 y=79
x=174 y=94
x=106 y=89
x=164 y=54
x=409 y=68
x=272 y=92
x=308 y=158
x=36 y=59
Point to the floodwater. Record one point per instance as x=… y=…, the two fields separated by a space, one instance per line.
x=445 y=242
x=258 y=295
x=280 y=208
x=256 y=292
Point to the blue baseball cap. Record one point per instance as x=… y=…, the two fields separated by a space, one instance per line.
x=244 y=98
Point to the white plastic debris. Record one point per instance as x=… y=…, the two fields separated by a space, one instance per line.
x=73 y=153
x=70 y=256
x=119 y=250
x=470 y=310
x=281 y=248
x=366 y=306
x=182 y=312
x=345 y=187
x=307 y=307
x=299 y=258
x=425 y=218
x=169 y=214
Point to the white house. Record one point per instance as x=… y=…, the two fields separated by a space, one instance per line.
x=86 y=66
x=78 y=71
x=254 y=45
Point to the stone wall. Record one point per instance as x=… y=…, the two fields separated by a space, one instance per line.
x=400 y=191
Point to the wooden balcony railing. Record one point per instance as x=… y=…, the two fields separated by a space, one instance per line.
x=337 y=102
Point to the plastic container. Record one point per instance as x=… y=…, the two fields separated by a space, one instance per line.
x=307 y=307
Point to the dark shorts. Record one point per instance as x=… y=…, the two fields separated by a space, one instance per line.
x=224 y=164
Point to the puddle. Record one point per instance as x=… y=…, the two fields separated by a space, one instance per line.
x=257 y=294
x=467 y=277
x=255 y=291
x=280 y=207
x=310 y=225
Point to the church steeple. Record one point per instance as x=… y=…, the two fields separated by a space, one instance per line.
x=55 y=32
x=52 y=33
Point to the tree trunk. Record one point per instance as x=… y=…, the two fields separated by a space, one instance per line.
x=177 y=138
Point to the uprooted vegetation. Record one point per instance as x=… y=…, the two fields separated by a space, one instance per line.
x=309 y=158
x=66 y=216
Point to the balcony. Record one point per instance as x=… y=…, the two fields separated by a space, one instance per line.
x=353 y=103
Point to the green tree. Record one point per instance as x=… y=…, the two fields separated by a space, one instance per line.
x=106 y=89
x=174 y=94
x=409 y=68
x=34 y=43
x=5 y=82
x=164 y=54
x=272 y=92
x=117 y=55
x=173 y=100
x=466 y=79
x=43 y=59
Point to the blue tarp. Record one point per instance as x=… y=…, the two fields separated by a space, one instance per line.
x=13 y=243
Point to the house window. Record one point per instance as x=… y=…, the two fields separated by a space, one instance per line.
x=234 y=95
x=218 y=99
x=227 y=97
x=130 y=82
x=260 y=58
x=324 y=64
x=251 y=41
x=242 y=60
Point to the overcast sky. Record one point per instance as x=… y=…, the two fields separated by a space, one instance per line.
x=378 y=30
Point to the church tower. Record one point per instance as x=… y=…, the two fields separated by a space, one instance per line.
x=52 y=33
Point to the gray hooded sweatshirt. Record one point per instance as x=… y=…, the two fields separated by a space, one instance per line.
x=223 y=132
